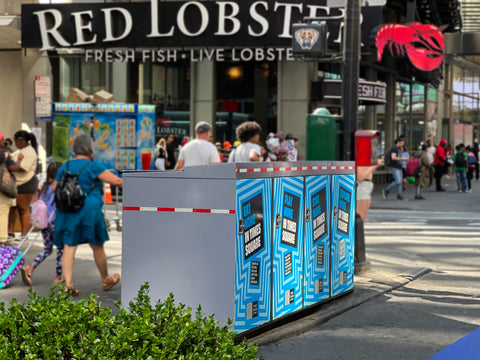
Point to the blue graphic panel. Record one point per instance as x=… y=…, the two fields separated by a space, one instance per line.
x=317 y=239
x=253 y=253
x=343 y=233
x=287 y=245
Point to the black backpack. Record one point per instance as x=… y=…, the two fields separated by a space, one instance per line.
x=69 y=196
x=460 y=161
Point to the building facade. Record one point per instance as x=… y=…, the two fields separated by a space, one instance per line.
x=225 y=62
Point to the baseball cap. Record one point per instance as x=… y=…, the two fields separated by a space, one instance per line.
x=1 y=136
x=227 y=145
x=202 y=127
x=443 y=141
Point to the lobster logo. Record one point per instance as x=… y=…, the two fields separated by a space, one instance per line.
x=423 y=44
x=306 y=38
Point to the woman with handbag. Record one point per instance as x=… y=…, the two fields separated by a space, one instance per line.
x=6 y=189
x=27 y=181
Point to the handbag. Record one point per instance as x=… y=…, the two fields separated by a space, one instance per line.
x=8 y=184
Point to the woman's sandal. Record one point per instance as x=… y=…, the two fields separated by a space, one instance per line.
x=70 y=291
x=110 y=281
x=27 y=278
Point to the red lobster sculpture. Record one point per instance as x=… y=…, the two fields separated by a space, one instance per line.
x=423 y=44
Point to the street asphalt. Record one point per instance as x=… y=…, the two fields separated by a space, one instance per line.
x=367 y=285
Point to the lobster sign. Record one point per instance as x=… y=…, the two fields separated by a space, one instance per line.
x=422 y=44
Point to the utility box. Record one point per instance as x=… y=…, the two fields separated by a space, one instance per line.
x=323 y=136
x=366 y=147
x=253 y=242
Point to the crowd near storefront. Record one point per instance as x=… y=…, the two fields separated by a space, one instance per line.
x=227 y=62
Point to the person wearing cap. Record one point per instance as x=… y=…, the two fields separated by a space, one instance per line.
x=249 y=135
x=440 y=163
x=5 y=201
x=198 y=151
x=227 y=147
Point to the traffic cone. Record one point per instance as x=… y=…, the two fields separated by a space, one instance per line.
x=107 y=194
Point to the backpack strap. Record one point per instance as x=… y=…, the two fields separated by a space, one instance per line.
x=78 y=174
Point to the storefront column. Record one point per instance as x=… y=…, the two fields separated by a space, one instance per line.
x=293 y=97
x=203 y=99
x=119 y=85
x=390 y=112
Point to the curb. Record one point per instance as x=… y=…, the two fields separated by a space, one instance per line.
x=367 y=289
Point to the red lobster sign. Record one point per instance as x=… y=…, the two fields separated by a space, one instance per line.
x=423 y=44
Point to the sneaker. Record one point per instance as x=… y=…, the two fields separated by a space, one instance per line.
x=441 y=189
x=469 y=190
x=460 y=190
x=384 y=194
x=11 y=236
x=419 y=197
x=401 y=198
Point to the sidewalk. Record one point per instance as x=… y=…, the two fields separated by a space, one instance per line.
x=368 y=285
x=380 y=279
x=449 y=200
x=86 y=277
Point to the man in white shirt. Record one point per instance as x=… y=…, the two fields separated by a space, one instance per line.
x=198 y=151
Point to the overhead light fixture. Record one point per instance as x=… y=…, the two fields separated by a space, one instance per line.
x=234 y=72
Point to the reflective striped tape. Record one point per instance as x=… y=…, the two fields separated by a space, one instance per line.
x=178 y=210
x=295 y=168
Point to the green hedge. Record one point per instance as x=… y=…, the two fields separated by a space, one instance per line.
x=56 y=327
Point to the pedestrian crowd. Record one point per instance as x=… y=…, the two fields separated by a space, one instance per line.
x=35 y=203
x=204 y=150
x=430 y=165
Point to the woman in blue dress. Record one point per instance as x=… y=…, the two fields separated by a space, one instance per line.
x=86 y=226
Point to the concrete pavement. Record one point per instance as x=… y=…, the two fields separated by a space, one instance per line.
x=385 y=275
x=391 y=272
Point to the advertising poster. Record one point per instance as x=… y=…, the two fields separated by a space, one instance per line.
x=145 y=137
x=287 y=246
x=253 y=253
x=317 y=239
x=121 y=132
x=343 y=233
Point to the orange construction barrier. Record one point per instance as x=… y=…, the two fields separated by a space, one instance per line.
x=107 y=194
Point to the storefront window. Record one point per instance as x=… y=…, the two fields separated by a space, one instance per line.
x=458 y=78
x=245 y=91
x=76 y=73
x=468 y=82
x=380 y=109
x=418 y=116
x=475 y=84
x=402 y=109
x=470 y=108
x=168 y=87
x=457 y=106
x=431 y=112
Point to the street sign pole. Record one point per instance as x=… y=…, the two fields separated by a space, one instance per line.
x=351 y=65
x=351 y=71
